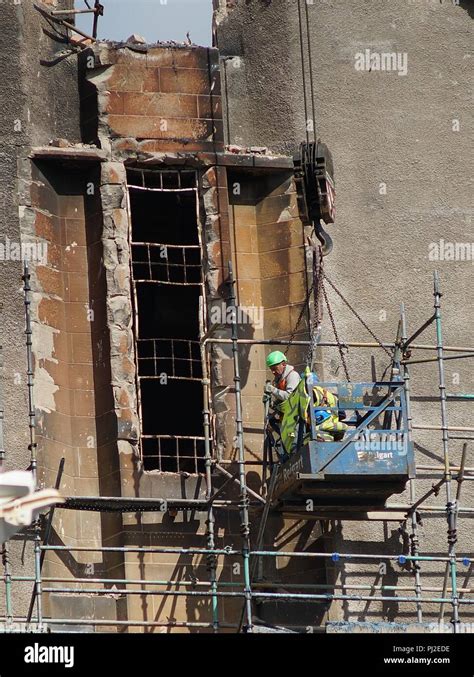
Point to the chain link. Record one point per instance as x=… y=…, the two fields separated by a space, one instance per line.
x=339 y=344
x=317 y=285
x=357 y=315
x=304 y=308
x=300 y=317
x=315 y=326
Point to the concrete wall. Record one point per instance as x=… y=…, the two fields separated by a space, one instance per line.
x=27 y=118
x=404 y=180
x=38 y=102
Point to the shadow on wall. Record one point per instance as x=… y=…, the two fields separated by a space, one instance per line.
x=296 y=537
x=468 y=5
x=170 y=608
x=397 y=542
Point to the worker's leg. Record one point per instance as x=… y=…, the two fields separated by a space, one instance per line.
x=323 y=435
x=274 y=426
x=335 y=429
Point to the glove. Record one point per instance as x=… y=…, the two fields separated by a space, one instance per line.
x=269 y=389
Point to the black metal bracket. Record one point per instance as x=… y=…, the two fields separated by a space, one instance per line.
x=314 y=173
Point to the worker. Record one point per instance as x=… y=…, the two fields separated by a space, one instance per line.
x=286 y=379
x=328 y=417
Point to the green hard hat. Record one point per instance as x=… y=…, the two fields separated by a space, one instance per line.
x=275 y=358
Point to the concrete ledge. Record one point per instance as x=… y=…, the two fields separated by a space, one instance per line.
x=248 y=161
x=71 y=154
x=196 y=159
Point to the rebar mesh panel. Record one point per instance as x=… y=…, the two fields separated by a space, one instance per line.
x=155 y=262
x=168 y=281
x=177 y=358
x=173 y=454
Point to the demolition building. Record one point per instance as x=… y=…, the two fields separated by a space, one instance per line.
x=160 y=234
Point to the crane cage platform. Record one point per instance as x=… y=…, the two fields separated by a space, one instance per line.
x=373 y=460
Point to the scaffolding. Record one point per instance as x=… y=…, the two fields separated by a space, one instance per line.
x=62 y=17
x=251 y=590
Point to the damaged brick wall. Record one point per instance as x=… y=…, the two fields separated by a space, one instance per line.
x=262 y=235
x=73 y=395
x=37 y=104
x=152 y=107
x=132 y=83
x=136 y=93
x=156 y=99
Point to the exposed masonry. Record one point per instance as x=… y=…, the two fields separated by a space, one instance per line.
x=119 y=301
x=116 y=249
x=115 y=70
x=117 y=134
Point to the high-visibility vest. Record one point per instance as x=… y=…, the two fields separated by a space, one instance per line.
x=324 y=398
x=296 y=408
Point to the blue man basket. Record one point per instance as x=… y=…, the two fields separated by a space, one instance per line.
x=374 y=460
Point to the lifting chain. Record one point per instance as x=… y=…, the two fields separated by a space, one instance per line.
x=315 y=326
x=300 y=318
x=333 y=323
x=364 y=324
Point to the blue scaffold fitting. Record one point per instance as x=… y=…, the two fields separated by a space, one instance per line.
x=402 y=559
x=466 y=561
x=335 y=557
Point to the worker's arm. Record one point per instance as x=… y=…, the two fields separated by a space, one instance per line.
x=291 y=383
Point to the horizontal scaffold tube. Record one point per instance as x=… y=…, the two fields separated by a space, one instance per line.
x=227 y=584
x=334 y=344
x=139 y=624
x=259 y=595
x=256 y=553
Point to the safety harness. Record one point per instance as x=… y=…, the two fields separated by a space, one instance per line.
x=281 y=382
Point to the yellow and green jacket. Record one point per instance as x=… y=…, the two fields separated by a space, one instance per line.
x=296 y=408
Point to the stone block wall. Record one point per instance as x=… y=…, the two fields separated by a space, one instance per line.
x=158 y=99
x=152 y=107
x=260 y=232
x=269 y=263
x=73 y=394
